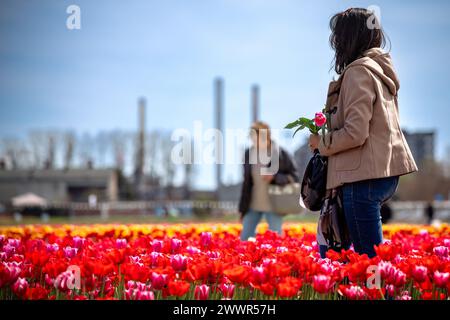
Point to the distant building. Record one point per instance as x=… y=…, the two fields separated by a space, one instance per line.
x=74 y=185
x=231 y=192
x=421 y=145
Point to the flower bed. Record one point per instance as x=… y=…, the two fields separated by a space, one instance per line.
x=208 y=261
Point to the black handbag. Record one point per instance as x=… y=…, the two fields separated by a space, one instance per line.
x=314 y=183
x=332 y=229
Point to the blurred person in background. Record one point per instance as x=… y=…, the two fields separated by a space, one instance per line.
x=429 y=210
x=254 y=201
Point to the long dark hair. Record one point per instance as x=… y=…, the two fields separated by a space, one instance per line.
x=351 y=36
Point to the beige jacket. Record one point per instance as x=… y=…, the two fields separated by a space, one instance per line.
x=366 y=140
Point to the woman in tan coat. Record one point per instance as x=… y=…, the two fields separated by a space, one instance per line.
x=366 y=149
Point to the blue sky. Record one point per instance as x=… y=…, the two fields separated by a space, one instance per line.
x=170 y=52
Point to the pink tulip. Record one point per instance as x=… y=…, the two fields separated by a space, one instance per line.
x=49 y=281
x=441 y=279
x=213 y=254
x=390 y=289
x=159 y=281
x=121 y=243
x=157 y=245
x=51 y=248
x=227 y=290
x=65 y=281
x=441 y=251
x=14 y=243
x=201 y=292
x=281 y=250
x=179 y=262
x=354 y=292
x=78 y=242
x=130 y=293
x=419 y=273
x=447 y=243
x=267 y=261
x=259 y=275
x=10 y=273
x=205 y=239
x=145 y=295
x=175 y=245
x=154 y=258
x=193 y=250
x=405 y=296
x=70 y=252
x=20 y=286
x=323 y=283
x=135 y=259
x=320 y=119
x=399 y=279
x=137 y=285
x=9 y=250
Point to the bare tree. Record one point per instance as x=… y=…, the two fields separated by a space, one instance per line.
x=51 y=151
x=15 y=153
x=118 y=143
x=38 y=144
x=101 y=143
x=152 y=146
x=10 y=152
x=69 y=146
x=86 y=145
x=168 y=166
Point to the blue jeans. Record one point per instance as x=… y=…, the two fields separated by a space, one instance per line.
x=252 y=218
x=362 y=202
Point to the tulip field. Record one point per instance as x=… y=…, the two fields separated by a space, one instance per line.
x=209 y=261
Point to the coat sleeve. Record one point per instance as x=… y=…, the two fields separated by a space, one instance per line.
x=357 y=102
x=244 y=200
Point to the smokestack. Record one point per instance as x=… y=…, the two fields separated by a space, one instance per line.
x=255 y=103
x=140 y=155
x=218 y=103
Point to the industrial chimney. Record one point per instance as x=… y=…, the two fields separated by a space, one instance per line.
x=140 y=154
x=218 y=103
x=255 y=103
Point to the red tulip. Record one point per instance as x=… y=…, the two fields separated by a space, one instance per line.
x=237 y=274
x=178 y=288
x=289 y=287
